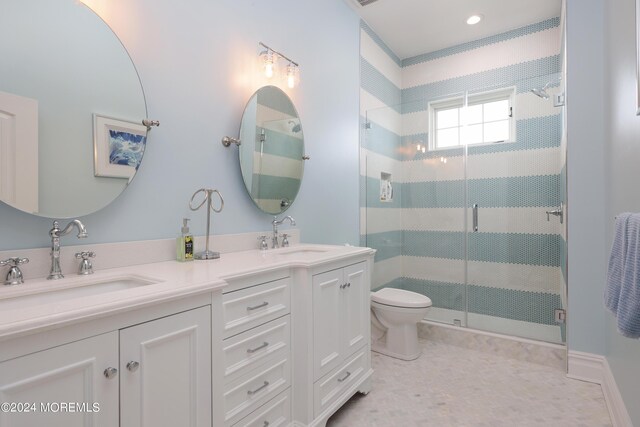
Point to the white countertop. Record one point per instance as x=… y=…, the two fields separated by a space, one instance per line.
x=173 y=280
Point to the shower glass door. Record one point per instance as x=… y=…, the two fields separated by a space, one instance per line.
x=514 y=250
x=433 y=201
x=413 y=209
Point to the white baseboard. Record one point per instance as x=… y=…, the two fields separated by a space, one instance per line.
x=595 y=368
x=586 y=366
x=617 y=409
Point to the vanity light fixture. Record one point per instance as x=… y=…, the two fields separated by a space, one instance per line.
x=270 y=59
x=269 y=65
x=474 y=19
x=291 y=75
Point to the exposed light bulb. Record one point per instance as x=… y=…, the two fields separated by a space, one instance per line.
x=291 y=76
x=268 y=65
x=418 y=147
x=424 y=149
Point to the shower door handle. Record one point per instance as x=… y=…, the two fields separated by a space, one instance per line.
x=475 y=216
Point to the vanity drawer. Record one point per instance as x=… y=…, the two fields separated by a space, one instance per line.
x=250 y=307
x=329 y=388
x=250 y=349
x=276 y=413
x=254 y=389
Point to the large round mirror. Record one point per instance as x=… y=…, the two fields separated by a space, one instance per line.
x=71 y=109
x=272 y=149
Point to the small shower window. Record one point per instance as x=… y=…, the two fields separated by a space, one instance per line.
x=486 y=118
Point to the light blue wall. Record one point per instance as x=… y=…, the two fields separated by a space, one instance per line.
x=198 y=63
x=587 y=181
x=622 y=139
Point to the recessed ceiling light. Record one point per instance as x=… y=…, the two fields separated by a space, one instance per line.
x=474 y=19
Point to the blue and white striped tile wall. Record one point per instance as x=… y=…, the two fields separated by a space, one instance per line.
x=515 y=262
x=380 y=100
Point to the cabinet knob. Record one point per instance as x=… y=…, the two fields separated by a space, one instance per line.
x=133 y=366
x=110 y=372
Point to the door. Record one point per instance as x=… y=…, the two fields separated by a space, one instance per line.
x=355 y=307
x=514 y=276
x=19 y=151
x=72 y=373
x=327 y=326
x=415 y=203
x=166 y=371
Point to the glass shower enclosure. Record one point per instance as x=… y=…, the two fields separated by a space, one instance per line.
x=455 y=201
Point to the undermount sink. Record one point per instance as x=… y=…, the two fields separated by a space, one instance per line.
x=77 y=290
x=301 y=250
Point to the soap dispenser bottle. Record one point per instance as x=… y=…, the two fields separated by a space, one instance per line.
x=184 y=243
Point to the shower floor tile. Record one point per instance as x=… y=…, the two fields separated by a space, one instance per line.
x=454 y=386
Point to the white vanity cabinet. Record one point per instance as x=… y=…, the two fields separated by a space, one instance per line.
x=165 y=371
x=340 y=329
x=340 y=316
x=258 y=339
x=252 y=353
x=156 y=373
x=331 y=341
x=68 y=373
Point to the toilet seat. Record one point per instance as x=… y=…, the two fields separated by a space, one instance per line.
x=400 y=298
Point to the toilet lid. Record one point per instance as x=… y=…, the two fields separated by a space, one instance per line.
x=400 y=298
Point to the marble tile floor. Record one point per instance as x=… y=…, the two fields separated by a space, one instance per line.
x=454 y=386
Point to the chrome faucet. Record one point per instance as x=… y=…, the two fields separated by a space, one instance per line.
x=56 y=233
x=275 y=223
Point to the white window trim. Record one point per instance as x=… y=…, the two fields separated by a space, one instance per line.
x=474 y=99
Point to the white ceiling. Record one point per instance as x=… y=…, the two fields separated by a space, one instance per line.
x=414 y=27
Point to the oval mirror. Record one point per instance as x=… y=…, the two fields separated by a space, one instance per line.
x=271 y=151
x=71 y=109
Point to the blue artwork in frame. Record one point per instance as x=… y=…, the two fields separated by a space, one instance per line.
x=119 y=146
x=126 y=148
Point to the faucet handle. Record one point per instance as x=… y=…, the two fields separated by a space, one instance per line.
x=263 y=243
x=15 y=261
x=85 y=265
x=285 y=240
x=85 y=255
x=14 y=276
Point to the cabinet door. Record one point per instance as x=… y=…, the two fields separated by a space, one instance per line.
x=327 y=301
x=171 y=383
x=68 y=374
x=355 y=309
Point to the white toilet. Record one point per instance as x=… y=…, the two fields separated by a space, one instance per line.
x=395 y=314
